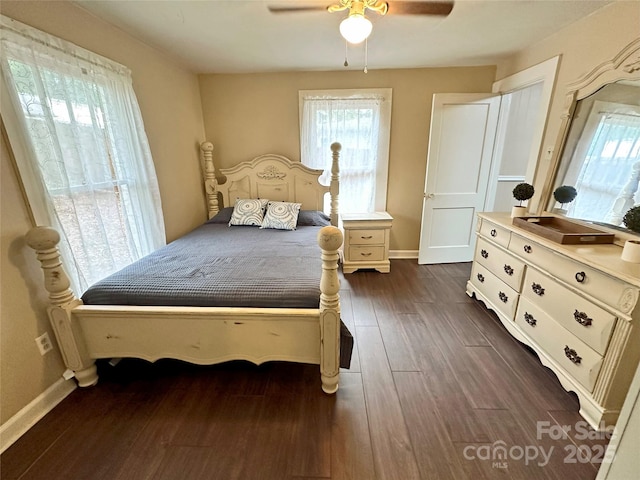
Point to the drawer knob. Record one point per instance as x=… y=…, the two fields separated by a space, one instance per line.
x=530 y=319
x=368 y=237
x=502 y=296
x=527 y=249
x=582 y=318
x=481 y=278
x=581 y=277
x=572 y=355
x=365 y=254
x=484 y=253
x=537 y=289
x=493 y=232
x=508 y=269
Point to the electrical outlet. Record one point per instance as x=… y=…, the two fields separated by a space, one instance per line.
x=44 y=343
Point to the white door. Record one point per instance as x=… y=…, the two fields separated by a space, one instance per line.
x=461 y=141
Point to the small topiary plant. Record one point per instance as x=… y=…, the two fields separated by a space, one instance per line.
x=523 y=192
x=565 y=194
x=631 y=219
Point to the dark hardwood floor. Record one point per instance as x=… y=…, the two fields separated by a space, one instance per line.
x=437 y=390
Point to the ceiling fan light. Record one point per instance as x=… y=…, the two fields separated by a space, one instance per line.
x=355 y=28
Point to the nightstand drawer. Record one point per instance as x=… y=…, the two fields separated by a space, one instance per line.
x=366 y=237
x=366 y=253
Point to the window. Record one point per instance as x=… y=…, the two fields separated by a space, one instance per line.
x=605 y=175
x=75 y=125
x=360 y=120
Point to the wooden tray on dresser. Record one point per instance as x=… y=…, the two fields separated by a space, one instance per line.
x=561 y=230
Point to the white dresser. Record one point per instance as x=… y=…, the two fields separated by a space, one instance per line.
x=575 y=305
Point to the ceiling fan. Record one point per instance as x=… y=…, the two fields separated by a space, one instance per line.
x=357 y=27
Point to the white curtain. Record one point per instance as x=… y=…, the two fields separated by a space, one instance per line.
x=355 y=123
x=88 y=154
x=613 y=150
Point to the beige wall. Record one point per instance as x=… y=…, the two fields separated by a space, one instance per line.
x=582 y=46
x=247 y=115
x=169 y=98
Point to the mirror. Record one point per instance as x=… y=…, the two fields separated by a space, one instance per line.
x=598 y=149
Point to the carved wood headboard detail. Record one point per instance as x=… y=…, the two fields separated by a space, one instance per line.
x=274 y=177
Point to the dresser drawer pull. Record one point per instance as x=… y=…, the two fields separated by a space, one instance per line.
x=484 y=253
x=493 y=232
x=367 y=254
x=527 y=249
x=537 y=289
x=529 y=319
x=503 y=297
x=581 y=277
x=481 y=278
x=508 y=269
x=582 y=318
x=368 y=237
x=572 y=355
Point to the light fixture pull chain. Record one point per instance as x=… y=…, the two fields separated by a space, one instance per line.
x=346 y=45
x=366 y=54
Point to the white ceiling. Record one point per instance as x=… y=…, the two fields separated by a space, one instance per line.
x=240 y=36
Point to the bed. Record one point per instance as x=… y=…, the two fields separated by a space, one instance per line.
x=258 y=322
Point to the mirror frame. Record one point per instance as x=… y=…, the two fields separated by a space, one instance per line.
x=624 y=66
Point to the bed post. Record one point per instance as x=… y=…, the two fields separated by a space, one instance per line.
x=330 y=240
x=334 y=188
x=44 y=241
x=210 y=181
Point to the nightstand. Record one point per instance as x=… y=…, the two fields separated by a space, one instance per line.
x=366 y=241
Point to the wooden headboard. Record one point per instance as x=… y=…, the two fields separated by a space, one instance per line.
x=273 y=177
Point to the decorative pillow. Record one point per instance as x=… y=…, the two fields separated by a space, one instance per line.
x=223 y=216
x=281 y=215
x=248 y=212
x=313 y=218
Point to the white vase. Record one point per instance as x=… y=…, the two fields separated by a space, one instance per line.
x=560 y=211
x=631 y=251
x=518 y=211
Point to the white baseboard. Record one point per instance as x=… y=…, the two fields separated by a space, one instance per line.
x=403 y=254
x=21 y=422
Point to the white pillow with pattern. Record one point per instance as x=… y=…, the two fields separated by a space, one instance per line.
x=248 y=211
x=281 y=215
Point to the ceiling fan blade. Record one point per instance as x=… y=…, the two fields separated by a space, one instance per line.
x=299 y=8
x=419 y=8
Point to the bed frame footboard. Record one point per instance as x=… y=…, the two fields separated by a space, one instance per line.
x=202 y=335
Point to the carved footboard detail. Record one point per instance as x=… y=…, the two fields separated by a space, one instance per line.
x=330 y=240
x=44 y=241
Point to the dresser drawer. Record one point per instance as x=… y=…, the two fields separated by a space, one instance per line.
x=366 y=253
x=609 y=290
x=366 y=237
x=494 y=232
x=506 y=267
x=572 y=354
x=587 y=321
x=503 y=297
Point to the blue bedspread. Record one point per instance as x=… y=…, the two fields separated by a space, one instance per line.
x=221 y=266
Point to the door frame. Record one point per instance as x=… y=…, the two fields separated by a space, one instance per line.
x=542 y=72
